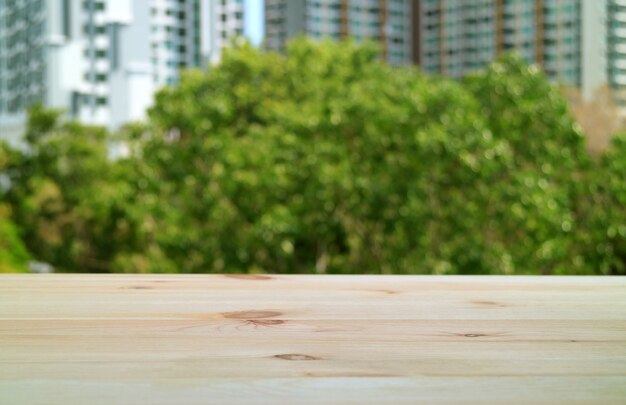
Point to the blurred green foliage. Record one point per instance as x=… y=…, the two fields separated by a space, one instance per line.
x=327 y=161
x=13 y=254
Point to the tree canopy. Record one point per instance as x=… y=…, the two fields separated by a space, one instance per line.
x=326 y=160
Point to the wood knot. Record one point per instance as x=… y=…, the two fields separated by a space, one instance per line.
x=297 y=357
x=489 y=303
x=247 y=315
x=255 y=323
x=137 y=287
x=249 y=276
x=472 y=335
x=388 y=292
x=268 y=322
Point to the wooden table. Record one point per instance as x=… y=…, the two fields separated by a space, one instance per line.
x=214 y=339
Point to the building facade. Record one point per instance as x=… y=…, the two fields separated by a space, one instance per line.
x=223 y=21
x=387 y=22
x=616 y=49
x=102 y=60
x=580 y=43
x=568 y=38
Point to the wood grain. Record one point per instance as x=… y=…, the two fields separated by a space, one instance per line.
x=265 y=339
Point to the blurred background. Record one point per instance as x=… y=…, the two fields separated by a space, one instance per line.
x=313 y=136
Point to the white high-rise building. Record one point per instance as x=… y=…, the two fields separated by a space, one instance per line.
x=224 y=20
x=102 y=60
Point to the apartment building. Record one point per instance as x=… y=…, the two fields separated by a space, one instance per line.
x=102 y=60
x=568 y=38
x=580 y=43
x=386 y=21
x=224 y=21
x=615 y=57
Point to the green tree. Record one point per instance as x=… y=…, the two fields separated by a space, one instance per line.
x=327 y=160
x=13 y=254
x=604 y=211
x=66 y=195
x=532 y=205
x=613 y=176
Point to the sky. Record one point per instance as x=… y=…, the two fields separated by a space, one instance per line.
x=253 y=20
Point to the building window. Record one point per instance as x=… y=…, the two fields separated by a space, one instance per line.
x=67 y=15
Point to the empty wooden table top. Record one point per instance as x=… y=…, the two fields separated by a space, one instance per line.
x=234 y=339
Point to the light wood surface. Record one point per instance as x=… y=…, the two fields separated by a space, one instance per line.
x=215 y=339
